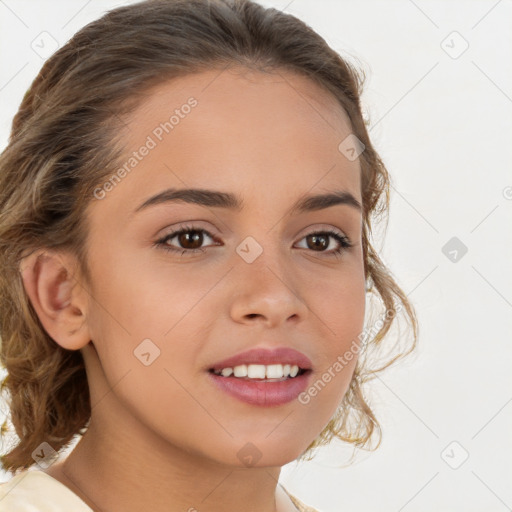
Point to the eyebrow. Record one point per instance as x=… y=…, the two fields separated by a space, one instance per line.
x=217 y=199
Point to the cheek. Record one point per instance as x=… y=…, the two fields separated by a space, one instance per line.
x=343 y=308
x=140 y=300
x=339 y=303
x=143 y=339
x=145 y=323
x=341 y=311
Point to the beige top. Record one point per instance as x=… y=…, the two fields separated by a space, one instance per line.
x=33 y=490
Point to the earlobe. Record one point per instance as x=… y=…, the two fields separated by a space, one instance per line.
x=57 y=297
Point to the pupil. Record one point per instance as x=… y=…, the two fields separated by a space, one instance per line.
x=186 y=238
x=316 y=239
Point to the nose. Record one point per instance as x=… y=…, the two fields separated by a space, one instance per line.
x=264 y=292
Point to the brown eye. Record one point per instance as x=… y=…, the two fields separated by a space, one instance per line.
x=190 y=239
x=318 y=241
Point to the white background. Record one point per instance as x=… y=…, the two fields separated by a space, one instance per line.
x=443 y=126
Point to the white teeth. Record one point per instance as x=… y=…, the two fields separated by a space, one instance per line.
x=260 y=371
x=240 y=371
x=274 y=371
x=255 y=371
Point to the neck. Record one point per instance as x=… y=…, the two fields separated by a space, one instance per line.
x=132 y=469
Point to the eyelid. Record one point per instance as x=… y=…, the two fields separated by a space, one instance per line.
x=312 y=228
x=185 y=225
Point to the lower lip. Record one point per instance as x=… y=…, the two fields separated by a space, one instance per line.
x=265 y=394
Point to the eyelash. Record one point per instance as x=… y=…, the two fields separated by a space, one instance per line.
x=343 y=241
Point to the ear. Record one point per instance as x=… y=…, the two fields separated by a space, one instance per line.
x=58 y=298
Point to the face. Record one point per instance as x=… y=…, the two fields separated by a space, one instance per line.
x=165 y=307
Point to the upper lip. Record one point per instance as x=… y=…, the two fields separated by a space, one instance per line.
x=280 y=355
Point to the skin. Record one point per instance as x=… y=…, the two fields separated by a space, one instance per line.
x=162 y=437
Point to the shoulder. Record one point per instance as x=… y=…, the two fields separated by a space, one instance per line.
x=35 y=490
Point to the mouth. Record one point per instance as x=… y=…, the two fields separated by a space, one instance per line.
x=262 y=376
x=262 y=392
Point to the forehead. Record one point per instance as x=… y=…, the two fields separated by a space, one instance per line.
x=235 y=89
x=275 y=134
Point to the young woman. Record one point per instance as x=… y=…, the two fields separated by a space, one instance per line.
x=185 y=210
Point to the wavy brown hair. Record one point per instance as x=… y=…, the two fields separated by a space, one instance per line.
x=65 y=141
